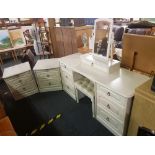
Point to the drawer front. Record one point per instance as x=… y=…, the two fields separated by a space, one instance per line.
x=23 y=88
x=69 y=89
x=20 y=95
x=48 y=73
x=65 y=68
x=66 y=76
x=110 y=120
x=111 y=95
x=53 y=88
x=110 y=106
x=20 y=79
x=49 y=83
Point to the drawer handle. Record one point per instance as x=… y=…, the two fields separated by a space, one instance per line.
x=108 y=93
x=48 y=75
x=24 y=88
x=108 y=119
x=108 y=106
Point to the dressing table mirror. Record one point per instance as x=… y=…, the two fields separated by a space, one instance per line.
x=102 y=56
x=102 y=39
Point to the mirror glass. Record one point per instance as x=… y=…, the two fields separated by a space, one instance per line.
x=102 y=31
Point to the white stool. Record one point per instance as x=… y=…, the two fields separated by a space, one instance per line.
x=85 y=86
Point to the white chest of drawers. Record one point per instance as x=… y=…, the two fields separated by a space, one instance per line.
x=47 y=73
x=20 y=80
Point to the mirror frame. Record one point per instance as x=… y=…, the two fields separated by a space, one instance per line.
x=109 y=41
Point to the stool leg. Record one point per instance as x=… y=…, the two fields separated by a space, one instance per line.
x=77 y=95
x=93 y=107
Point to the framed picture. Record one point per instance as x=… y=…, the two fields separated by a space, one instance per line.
x=17 y=37
x=28 y=32
x=5 y=41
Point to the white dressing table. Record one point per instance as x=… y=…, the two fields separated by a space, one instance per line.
x=113 y=92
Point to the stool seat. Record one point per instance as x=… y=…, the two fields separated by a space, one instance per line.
x=85 y=86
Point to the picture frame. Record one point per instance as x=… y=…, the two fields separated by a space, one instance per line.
x=17 y=37
x=5 y=41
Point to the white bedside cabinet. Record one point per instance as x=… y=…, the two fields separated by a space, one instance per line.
x=47 y=74
x=20 y=80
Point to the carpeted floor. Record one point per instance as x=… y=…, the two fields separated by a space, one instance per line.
x=30 y=113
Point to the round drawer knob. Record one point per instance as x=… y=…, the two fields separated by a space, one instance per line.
x=108 y=106
x=24 y=88
x=108 y=119
x=108 y=93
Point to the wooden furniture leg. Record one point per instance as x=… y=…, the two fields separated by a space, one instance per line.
x=15 y=54
x=12 y=53
x=134 y=60
x=1 y=61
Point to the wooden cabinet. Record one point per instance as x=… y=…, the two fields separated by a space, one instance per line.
x=20 y=80
x=47 y=74
x=65 y=40
x=143 y=110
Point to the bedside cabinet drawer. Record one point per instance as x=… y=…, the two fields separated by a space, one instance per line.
x=110 y=120
x=102 y=91
x=19 y=79
x=49 y=83
x=48 y=73
x=112 y=107
x=65 y=68
x=23 y=88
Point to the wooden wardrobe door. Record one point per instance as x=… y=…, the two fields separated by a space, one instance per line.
x=60 y=42
x=74 y=41
x=67 y=38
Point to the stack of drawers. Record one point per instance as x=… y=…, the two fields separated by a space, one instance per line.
x=67 y=80
x=47 y=74
x=20 y=81
x=112 y=110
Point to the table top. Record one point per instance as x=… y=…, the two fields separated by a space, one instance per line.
x=46 y=64
x=15 y=48
x=123 y=81
x=16 y=69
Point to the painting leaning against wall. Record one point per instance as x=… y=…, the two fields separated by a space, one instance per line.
x=17 y=37
x=5 y=41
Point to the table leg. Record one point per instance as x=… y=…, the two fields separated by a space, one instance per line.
x=15 y=54
x=1 y=59
x=12 y=53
